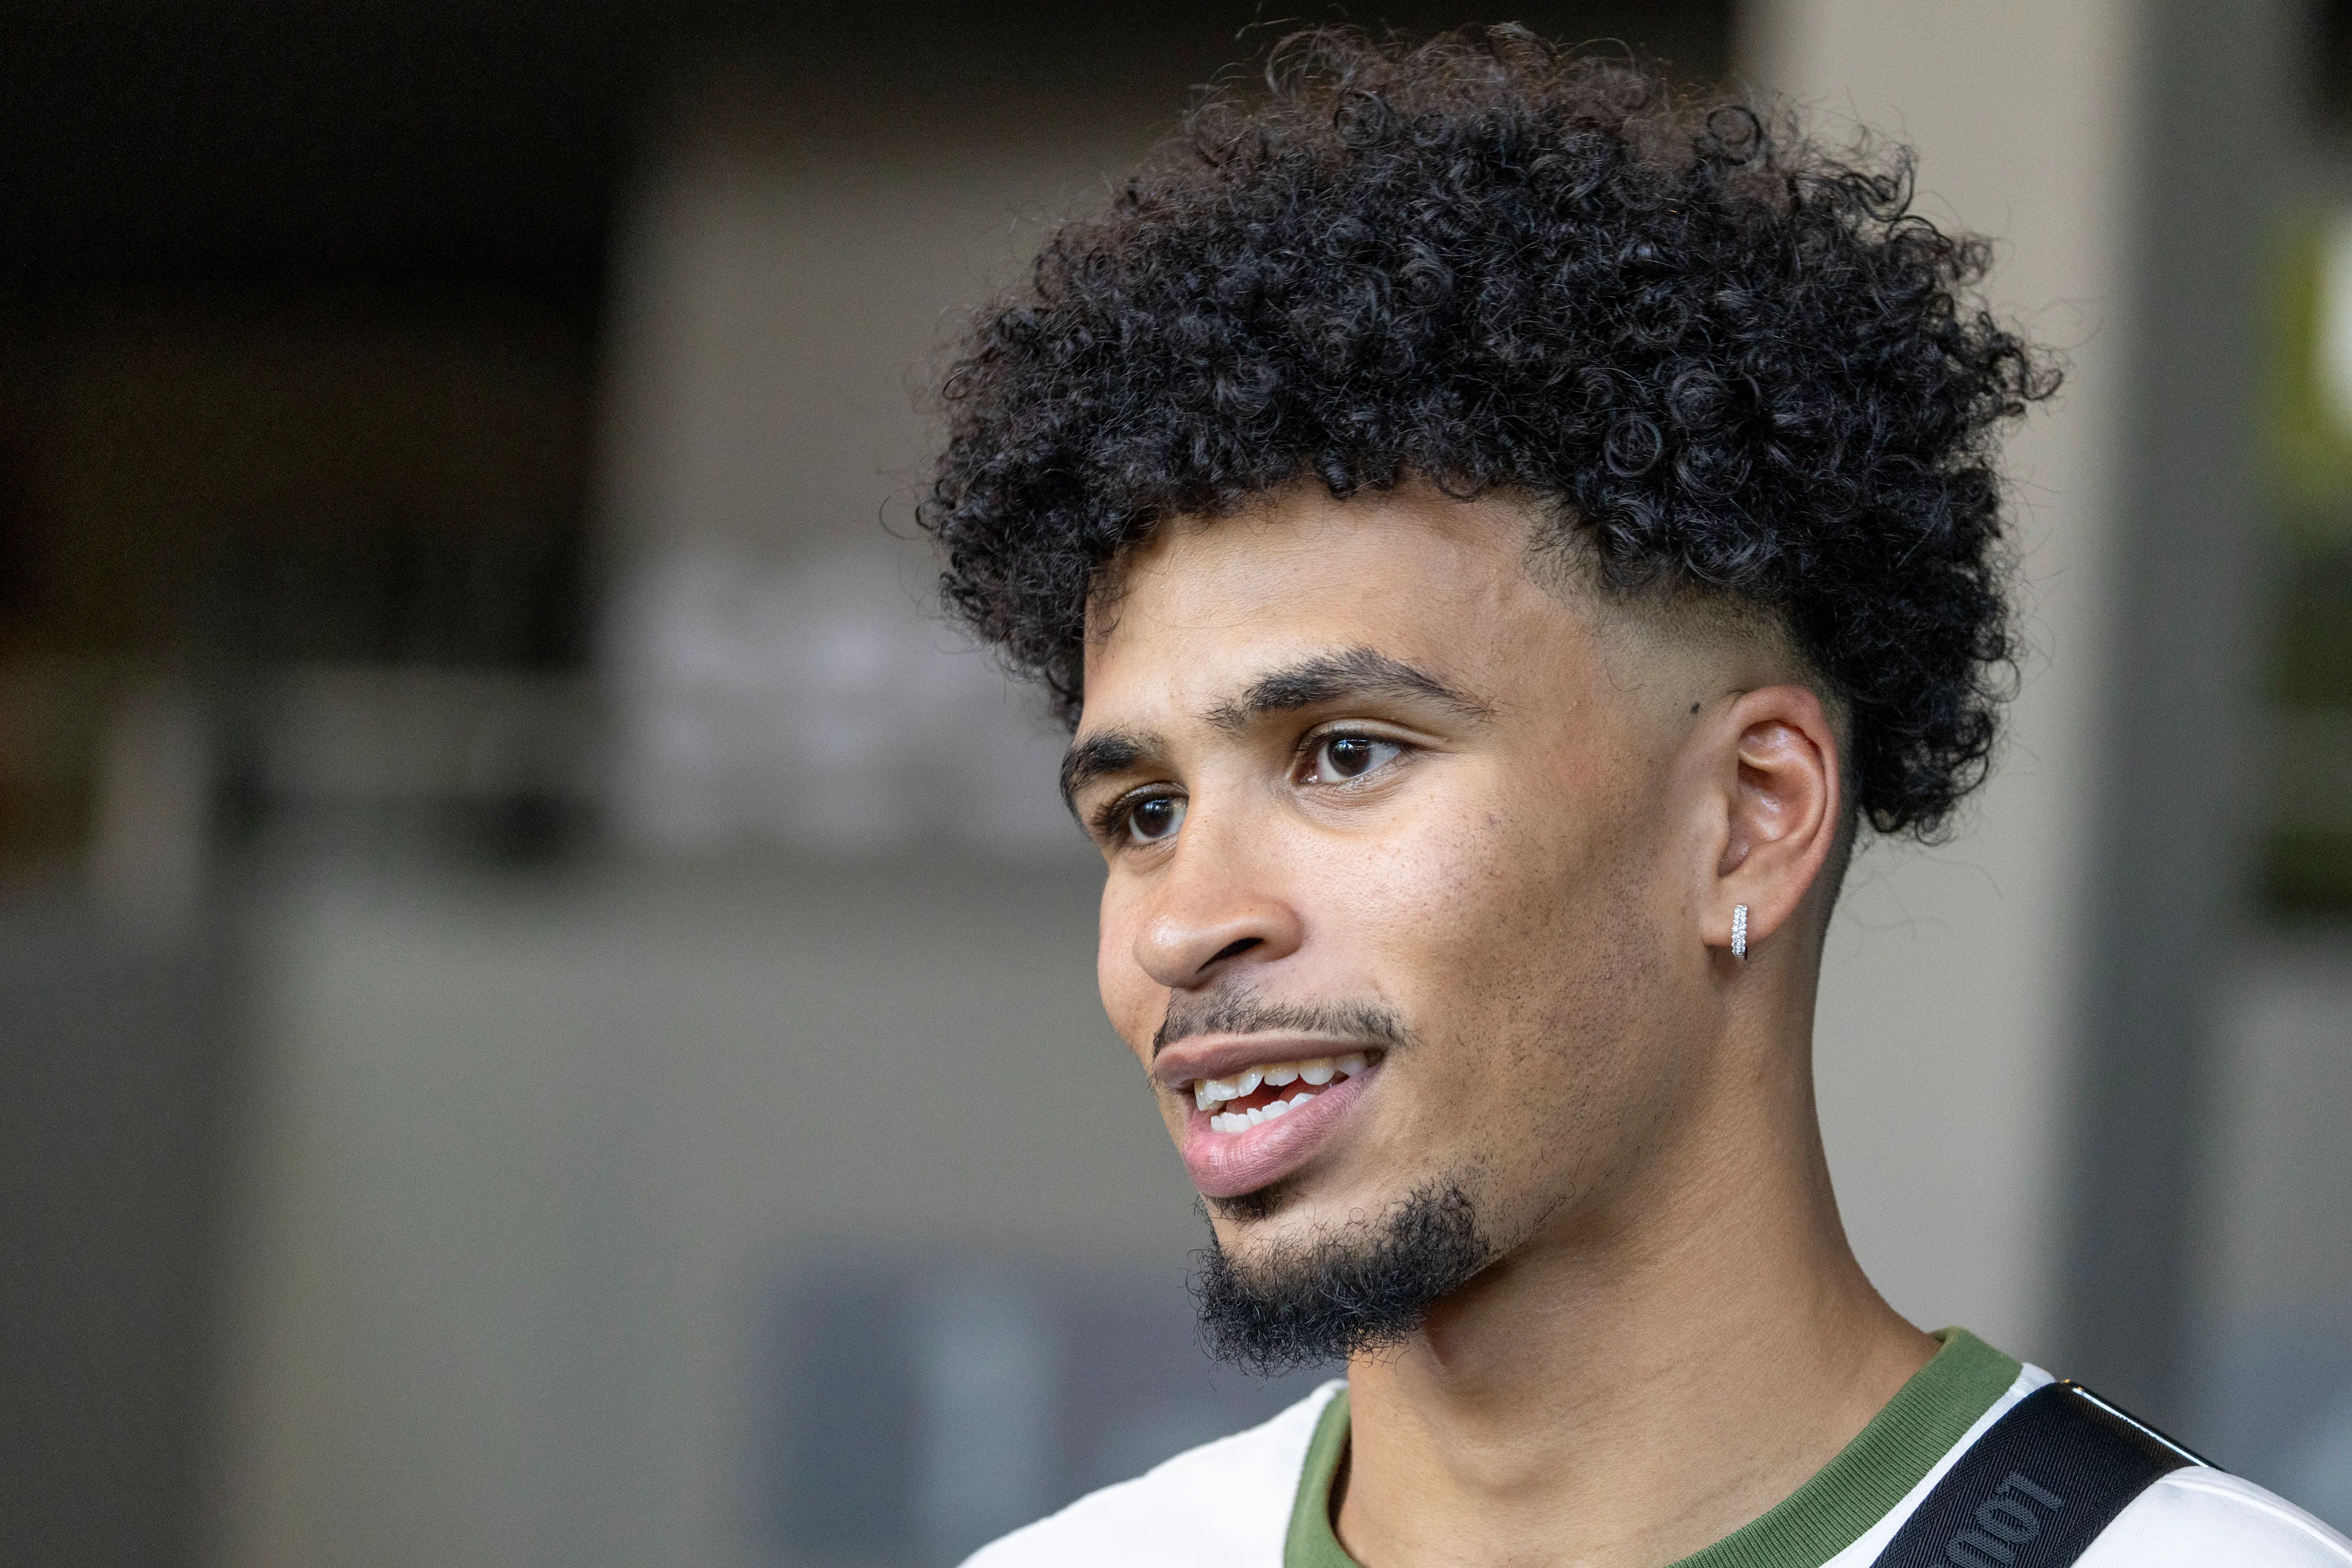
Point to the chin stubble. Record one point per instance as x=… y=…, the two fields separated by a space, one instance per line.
x=1338 y=1295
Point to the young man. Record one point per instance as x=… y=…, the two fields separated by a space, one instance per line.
x=1498 y=532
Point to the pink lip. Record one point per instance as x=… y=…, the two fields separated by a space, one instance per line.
x=1227 y=1164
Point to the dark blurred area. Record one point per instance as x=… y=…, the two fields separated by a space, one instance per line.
x=2307 y=869
x=545 y=1004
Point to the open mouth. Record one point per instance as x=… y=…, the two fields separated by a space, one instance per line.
x=1259 y=1123
x=1257 y=1095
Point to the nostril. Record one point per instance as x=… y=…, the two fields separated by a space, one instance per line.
x=1234 y=949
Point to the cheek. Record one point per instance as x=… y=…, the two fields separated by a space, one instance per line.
x=1456 y=903
x=1130 y=999
x=1500 y=933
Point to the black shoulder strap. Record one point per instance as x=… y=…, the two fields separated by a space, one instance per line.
x=2037 y=1487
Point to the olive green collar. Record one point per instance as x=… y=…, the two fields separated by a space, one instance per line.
x=1813 y=1524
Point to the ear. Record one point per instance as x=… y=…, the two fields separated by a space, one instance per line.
x=1780 y=786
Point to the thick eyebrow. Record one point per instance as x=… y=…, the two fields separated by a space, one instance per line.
x=1328 y=678
x=1113 y=751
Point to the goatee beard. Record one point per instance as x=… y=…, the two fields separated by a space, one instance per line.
x=1338 y=1296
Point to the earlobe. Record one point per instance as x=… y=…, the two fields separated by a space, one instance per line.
x=1780 y=796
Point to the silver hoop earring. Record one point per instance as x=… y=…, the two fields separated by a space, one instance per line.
x=1739 y=931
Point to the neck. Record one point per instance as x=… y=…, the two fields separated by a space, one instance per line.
x=1626 y=1388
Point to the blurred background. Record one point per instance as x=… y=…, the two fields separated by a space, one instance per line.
x=546 y=1004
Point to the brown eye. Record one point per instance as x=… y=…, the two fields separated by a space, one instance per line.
x=1154 y=818
x=1344 y=757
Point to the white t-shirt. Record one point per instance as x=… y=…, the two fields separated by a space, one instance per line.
x=1238 y=1503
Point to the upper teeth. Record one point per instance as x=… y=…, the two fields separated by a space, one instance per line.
x=1208 y=1093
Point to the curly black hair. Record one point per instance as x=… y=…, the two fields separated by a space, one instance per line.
x=1728 y=357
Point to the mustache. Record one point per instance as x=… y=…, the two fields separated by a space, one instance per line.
x=1245 y=1013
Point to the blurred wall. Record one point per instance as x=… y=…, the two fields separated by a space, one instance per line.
x=2269 y=1366
x=778 y=665
x=121 y=1057
x=553 y=1166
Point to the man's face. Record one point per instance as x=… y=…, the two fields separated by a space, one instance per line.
x=1373 y=796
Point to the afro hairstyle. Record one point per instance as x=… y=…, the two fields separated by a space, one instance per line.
x=1727 y=359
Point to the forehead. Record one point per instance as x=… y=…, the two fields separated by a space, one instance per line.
x=1446 y=584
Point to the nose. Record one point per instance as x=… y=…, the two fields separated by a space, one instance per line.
x=1209 y=915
